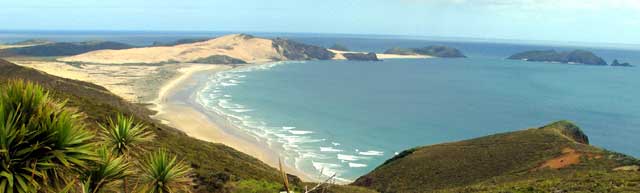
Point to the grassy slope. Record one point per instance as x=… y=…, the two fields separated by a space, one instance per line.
x=494 y=163
x=218 y=167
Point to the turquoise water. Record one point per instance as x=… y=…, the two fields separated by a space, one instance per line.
x=348 y=117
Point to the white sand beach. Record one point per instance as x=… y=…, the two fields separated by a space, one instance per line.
x=339 y=55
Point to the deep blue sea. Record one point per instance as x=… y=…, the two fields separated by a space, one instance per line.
x=348 y=117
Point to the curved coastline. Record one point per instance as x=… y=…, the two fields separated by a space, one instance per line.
x=176 y=106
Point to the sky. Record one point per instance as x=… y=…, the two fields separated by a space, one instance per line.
x=596 y=21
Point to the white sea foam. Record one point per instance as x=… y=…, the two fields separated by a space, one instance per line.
x=225 y=84
x=288 y=128
x=356 y=165
x=344 y=157
x=299 y=132
x=335 y=143
x=371 y=153
x=329 y=149
x=241 y=110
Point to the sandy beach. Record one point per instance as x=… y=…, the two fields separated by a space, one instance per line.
x=177 y=108
x=339 y=55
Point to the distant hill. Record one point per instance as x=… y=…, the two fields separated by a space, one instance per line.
x=63 y=48
x=575 y=56
x=507 y=162
x=33 y=42
x=436 y=51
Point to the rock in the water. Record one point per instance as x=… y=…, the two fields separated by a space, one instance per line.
x=575 y=56
x=616 y=63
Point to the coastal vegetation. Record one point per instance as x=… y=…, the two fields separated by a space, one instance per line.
x=218 y=59
x=436 y=51
x=45 y=147
x=575 y=56
x=528 y=160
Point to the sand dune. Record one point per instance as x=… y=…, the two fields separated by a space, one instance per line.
x=240 y=46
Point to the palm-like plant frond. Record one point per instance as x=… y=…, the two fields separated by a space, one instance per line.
x=164 y=173
x=41 y=142
x=106 y=171
x=123 y=135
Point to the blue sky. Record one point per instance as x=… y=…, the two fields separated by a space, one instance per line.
x=609 y=21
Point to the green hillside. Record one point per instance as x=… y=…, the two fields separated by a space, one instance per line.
x=502 y=162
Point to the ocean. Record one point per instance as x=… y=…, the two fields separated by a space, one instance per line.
x=348 y=117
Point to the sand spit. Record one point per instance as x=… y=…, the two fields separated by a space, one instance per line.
x=339 y=55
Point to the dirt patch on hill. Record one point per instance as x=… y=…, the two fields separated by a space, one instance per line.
x=569 y=157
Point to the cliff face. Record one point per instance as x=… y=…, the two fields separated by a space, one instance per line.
x=297 y=51
x=576 y=56
x=559 y=150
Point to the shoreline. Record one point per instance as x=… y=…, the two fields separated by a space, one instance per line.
x=176 y=107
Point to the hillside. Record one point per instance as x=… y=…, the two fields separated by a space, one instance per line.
x=502 y=162
x=62 y=48
x=575 y=56
x=235 y=47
